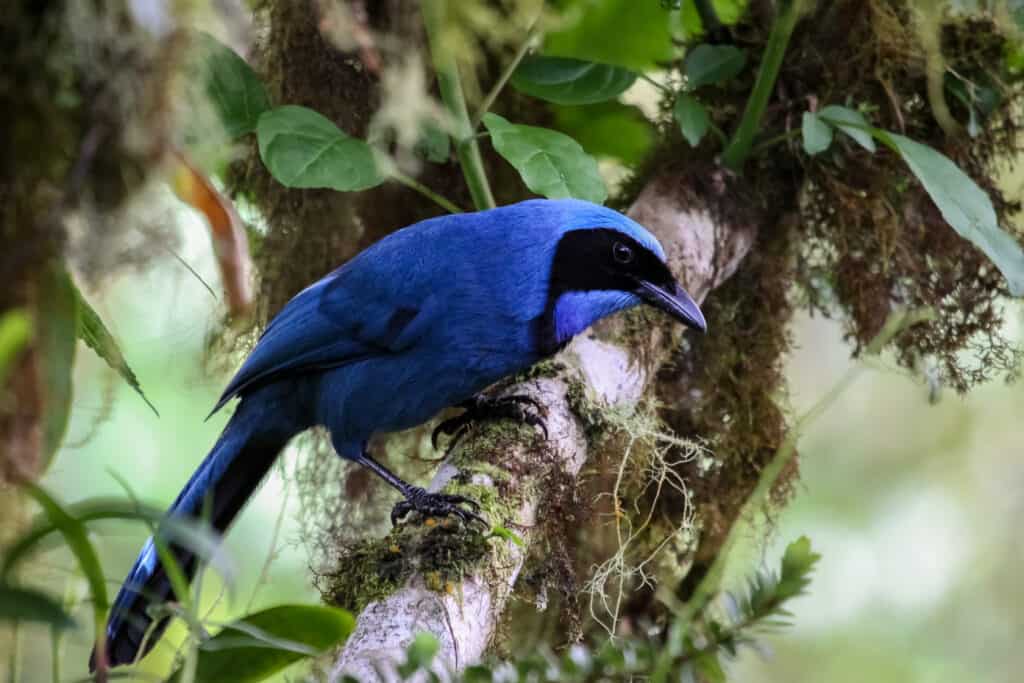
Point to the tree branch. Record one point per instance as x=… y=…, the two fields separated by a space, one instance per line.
x=529 y=478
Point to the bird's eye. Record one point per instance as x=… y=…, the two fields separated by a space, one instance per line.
x=622 y=254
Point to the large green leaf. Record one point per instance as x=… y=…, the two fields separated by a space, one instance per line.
x=817 y=134
x=608 y=129
x=56 y=339
x=692 y=117
x=713 y=64
x=232 y=86
x=25 y=604
x=571 y=81
x=261 y=644
x=551 y=163
x=304 y=149
x=626 y=33
x=963 y=204
x=97 y=337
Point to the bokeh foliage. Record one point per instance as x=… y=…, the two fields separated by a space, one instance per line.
x=848 y=229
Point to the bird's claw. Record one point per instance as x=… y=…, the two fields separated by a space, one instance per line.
x=514 y=407
x=436 y=505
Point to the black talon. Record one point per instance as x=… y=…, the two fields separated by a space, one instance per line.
x=436 y=505
x=479 y=408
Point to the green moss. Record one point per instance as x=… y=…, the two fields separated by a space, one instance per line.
x=549 y=367
x=371 y=570
x=591 y=413
x=444 y=552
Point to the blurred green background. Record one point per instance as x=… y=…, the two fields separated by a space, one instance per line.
x=161 y=315
x=915 y=507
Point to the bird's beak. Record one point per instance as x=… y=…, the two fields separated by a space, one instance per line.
x=673 y=300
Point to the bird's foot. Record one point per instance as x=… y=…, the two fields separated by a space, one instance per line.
x=479 y=408
x=436 y=505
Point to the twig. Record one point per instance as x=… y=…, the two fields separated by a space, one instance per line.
x=414 y=184
x=499 y=85
x=192 y=270
x=265 y=570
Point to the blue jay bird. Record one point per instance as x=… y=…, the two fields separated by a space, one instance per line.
x=424 y=319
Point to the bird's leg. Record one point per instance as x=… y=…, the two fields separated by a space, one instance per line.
x=517 y=407
x=422 y=501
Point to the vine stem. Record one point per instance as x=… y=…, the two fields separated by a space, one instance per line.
x=499 y=85
x=414 y=184
x=455 y=102
x=743 y=139
x=772 y=141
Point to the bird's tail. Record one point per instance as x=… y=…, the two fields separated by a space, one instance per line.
x=217 y=490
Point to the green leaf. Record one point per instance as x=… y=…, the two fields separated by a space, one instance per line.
x=420 y=654
x=477 y=673
x=851 y=122
x=23 y=604
x=39 y=533
x=56 y=339
x=259 y=645
x=979 y=98
x=233 y=87
x=551 y=164
x=799 y=559
x=97 y=337
x=1016 y=8
x=571 y=81
x=729 y=12
x=507 y=534
x=626 y=33
x=304 y=149
x=963 y=205
x=709 y=668
x=78 y=542
x=1013 y=58
x=713 y=64
x=817 y=134
x=15 y=331
x=608 y=129
x=692 y=117
x=797 y=564
x=203 y=541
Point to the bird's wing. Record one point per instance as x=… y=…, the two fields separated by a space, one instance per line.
x=353 y=314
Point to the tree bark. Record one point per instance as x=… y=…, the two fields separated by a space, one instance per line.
x=534 y=478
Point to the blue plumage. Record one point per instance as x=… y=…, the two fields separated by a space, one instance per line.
x=424 y=319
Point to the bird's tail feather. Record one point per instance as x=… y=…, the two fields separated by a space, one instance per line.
x=217 y=490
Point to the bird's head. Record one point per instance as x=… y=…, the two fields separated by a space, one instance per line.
x=604 y=262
